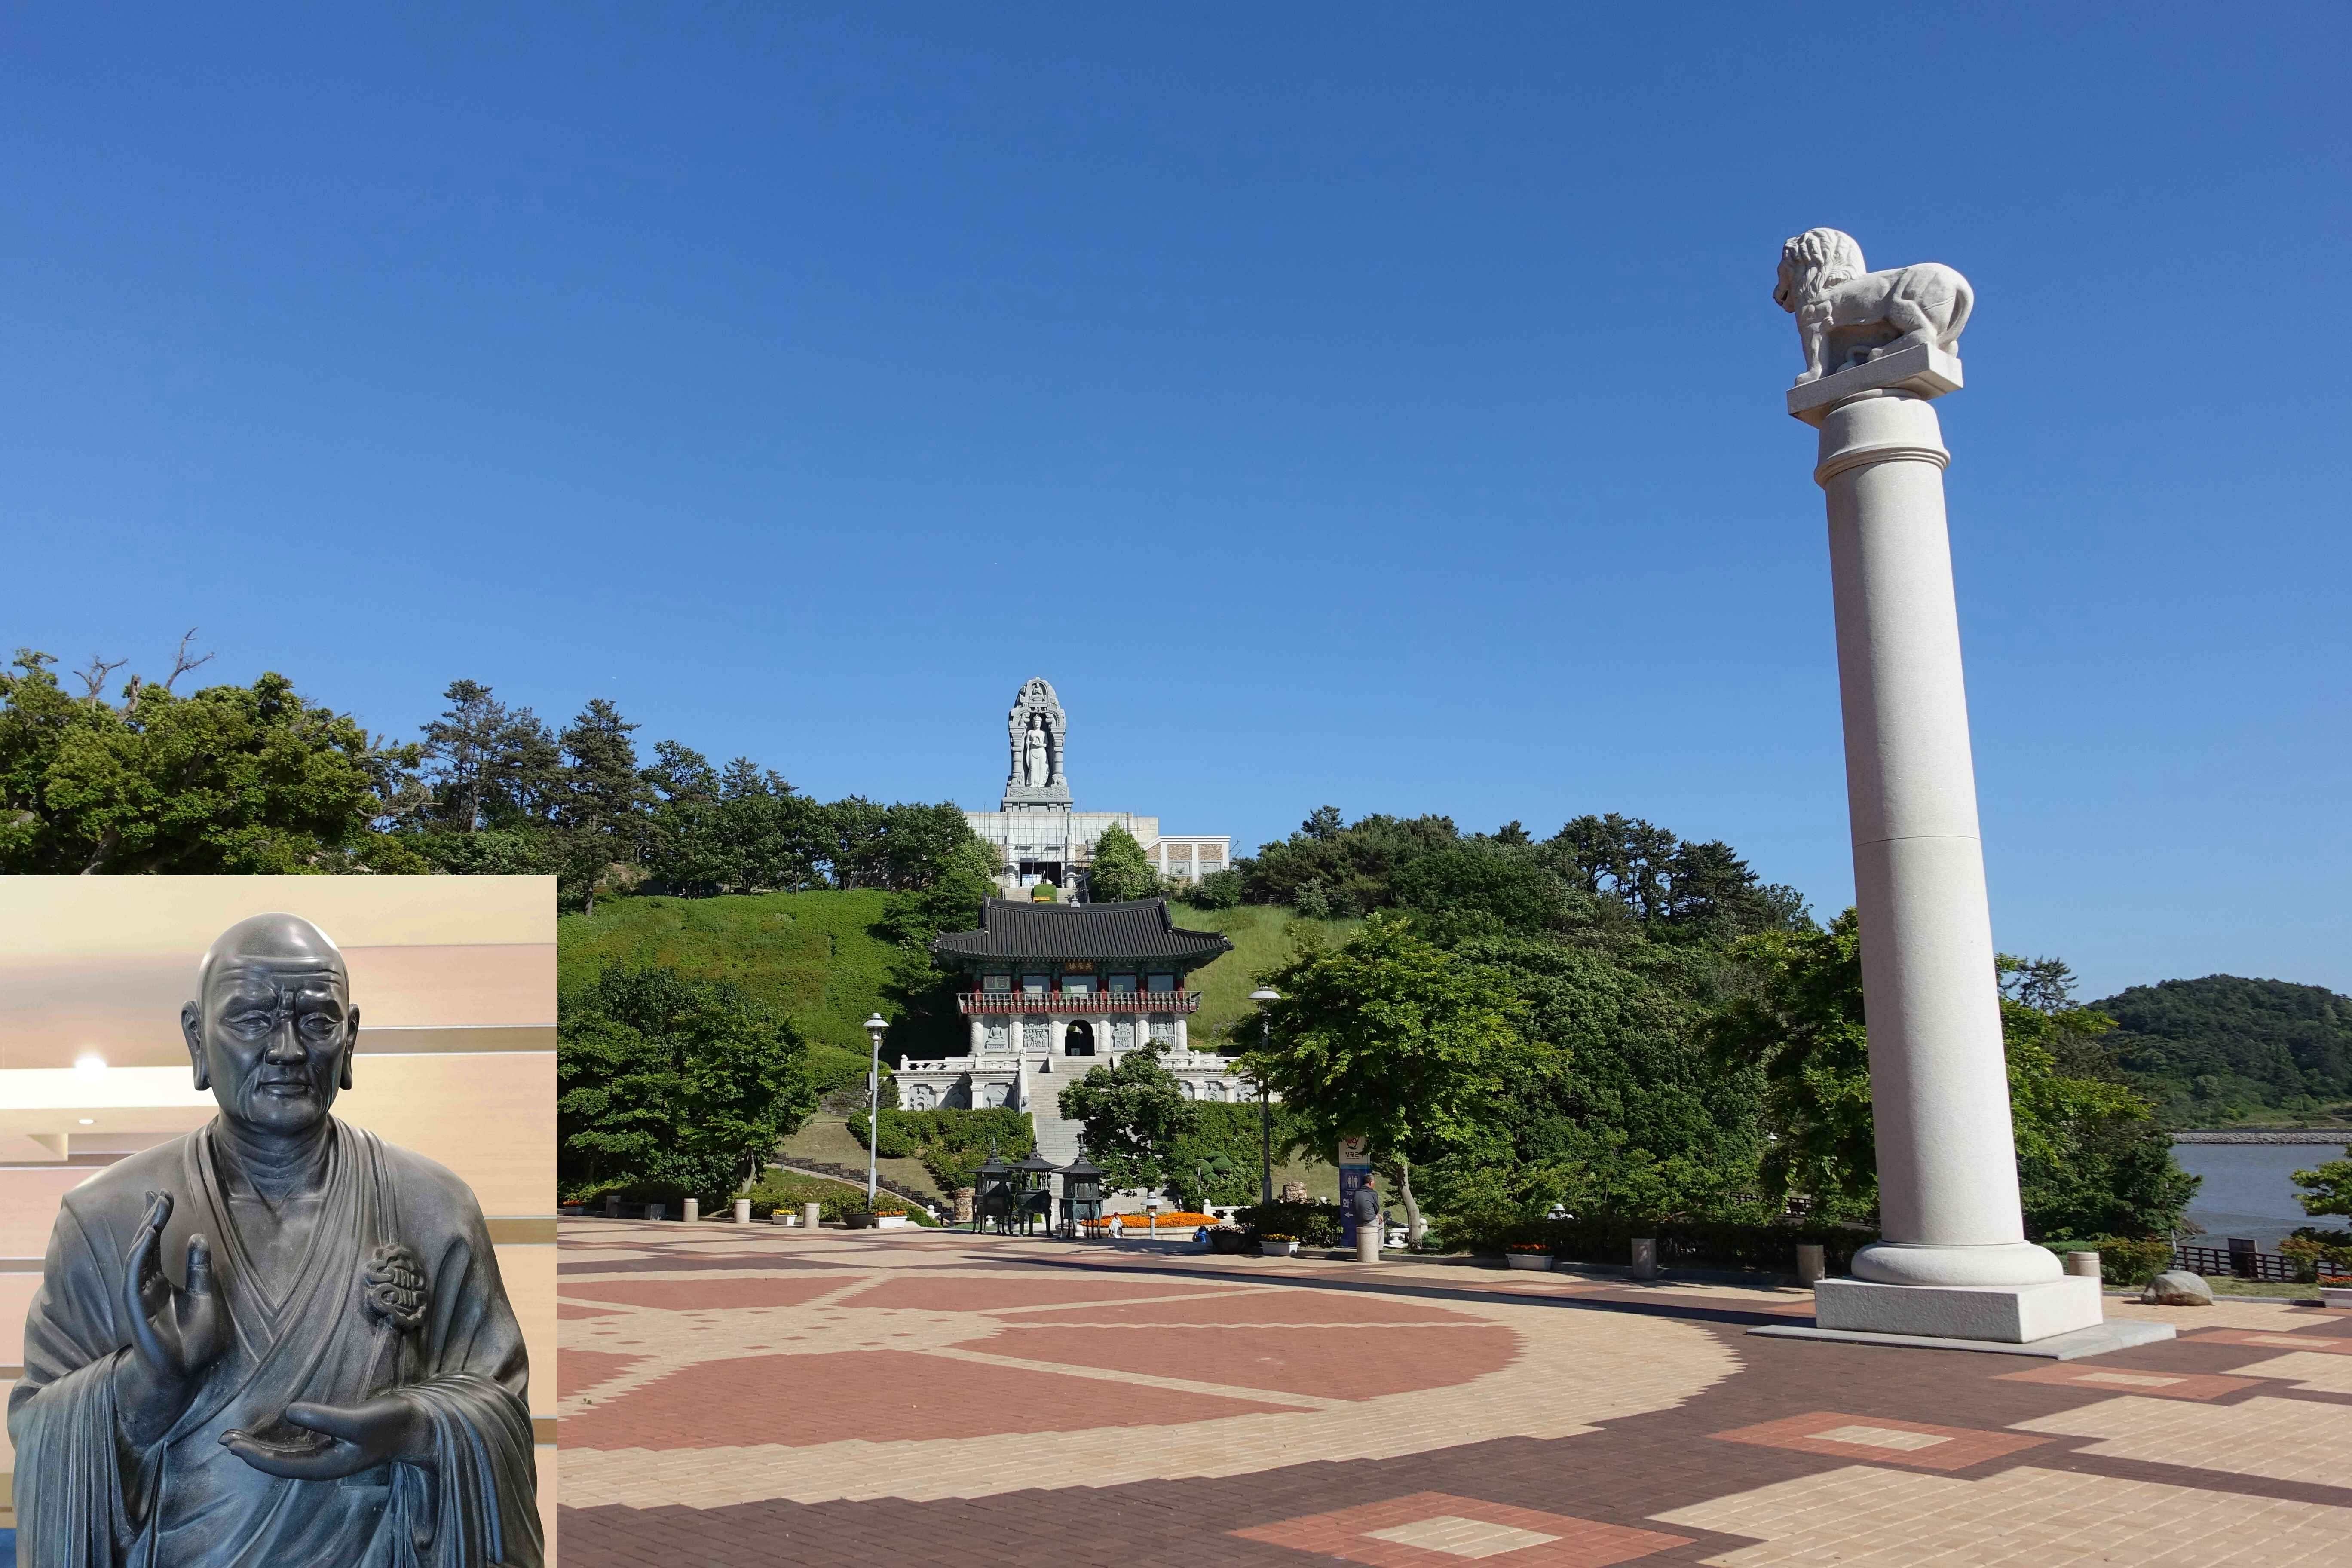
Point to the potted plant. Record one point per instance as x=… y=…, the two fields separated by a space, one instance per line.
x=1528 y=1255
x=1279 y=1245
x=890 y=1216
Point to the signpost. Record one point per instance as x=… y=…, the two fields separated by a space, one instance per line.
x=1355 y=1164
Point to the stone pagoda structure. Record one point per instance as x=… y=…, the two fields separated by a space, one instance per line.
x=1051 y=989
x=1042 y=839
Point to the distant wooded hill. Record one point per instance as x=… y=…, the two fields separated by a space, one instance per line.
x=2223 y=1048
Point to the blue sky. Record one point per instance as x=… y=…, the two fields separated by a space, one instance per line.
x=1362 y=405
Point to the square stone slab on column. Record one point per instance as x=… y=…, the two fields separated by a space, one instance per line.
x=2013 y=1314
x=2059 y=1319
x=1921 y=371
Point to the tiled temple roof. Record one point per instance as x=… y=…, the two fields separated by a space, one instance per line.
x=1140 y=928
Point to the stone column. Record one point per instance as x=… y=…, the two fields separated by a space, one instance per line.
x=1954 y=1260
x=1183 y=1035
x=979 y=1033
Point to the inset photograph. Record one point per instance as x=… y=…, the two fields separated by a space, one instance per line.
x=276 y=1268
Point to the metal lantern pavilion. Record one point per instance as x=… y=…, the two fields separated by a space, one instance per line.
x=993 y=1200
x=1082 y=1195
x=1032 y=1192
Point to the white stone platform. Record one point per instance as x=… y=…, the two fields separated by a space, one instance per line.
x=2015 y=1314
x=2121 y=1333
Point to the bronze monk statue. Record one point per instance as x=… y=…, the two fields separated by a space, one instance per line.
x=334 y=1378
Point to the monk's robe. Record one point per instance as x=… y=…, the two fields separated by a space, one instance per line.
x=87 y=1499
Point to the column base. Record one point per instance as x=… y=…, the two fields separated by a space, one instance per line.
x=2122 y=1334
x=2008 y=1314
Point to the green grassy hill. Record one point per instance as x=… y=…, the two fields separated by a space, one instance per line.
x=817 y=958
x=1262 y=936
x=821 y=960
x=2225 y=1049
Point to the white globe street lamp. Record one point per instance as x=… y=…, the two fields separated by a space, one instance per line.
x=1265 y=1111
x=876 y=1026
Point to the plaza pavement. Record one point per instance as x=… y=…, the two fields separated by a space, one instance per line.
x=753 y=1396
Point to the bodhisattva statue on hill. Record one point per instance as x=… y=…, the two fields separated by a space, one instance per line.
x=334 y=1378
x=1036 y=768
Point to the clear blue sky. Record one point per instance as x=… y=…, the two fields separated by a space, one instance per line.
x=1363 y=404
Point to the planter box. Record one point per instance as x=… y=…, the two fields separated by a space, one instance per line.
x=1280 y=1248
x=1529 y=1259
x=891 y=1222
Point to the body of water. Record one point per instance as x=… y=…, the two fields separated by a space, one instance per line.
x=2249 y=1188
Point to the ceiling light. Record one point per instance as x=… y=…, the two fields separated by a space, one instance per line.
x=89 y=1061
x=89 y=1122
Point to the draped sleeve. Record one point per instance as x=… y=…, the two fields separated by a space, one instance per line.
x=475 y=1505
x=71 y=1488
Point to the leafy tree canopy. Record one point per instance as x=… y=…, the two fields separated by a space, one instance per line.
x=1119 y=869
x=227 y=780
x=2212 y=1049
x=2091 y=1160
x=1134 y=1114
x=668 y=1082
x=1392 y=1038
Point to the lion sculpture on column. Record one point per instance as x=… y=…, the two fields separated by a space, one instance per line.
x=1847 y=315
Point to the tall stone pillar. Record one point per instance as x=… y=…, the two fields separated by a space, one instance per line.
x=1954 y=1261
x=979 y=1033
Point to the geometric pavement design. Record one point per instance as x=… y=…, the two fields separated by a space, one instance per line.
x=744 y=1395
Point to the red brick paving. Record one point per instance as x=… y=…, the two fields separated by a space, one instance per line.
x=576 y=1371
x=1617 y=1476
x=2103 y=1377
x=1348 y=1533
x=879 y=1395
x=1350 y=1364
x=1294 y=1306
x=2295 y=1340
x=950 y=1293
x=695 y=1295
x=565 y=1309
x=1956 y=1448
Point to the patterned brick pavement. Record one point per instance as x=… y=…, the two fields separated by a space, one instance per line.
x=736 y=1398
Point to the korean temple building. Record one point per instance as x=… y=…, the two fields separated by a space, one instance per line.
x=1041 y=838
x=1051 y=989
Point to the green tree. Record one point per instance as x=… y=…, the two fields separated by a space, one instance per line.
x=1636 y=1117
x=1135 y=1116
x=2091 y=1158
x=670 y=1082
x=1119 y=869
x=2326 y=1188
x=227 y=780
x=1392 y=1038
x=598 y=813
x=1800 y=1021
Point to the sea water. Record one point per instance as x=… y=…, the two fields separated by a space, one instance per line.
x=2249 y=1188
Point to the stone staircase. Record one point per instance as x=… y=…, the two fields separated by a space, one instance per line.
x=1057 y=1139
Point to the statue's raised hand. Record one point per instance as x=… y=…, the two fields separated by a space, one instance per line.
x=174 y=1333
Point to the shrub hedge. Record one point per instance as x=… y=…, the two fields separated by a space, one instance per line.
x=1697 y=1244
x=2124 y=1260
x=1312 y=1223
x=838 y=1200
x=951 y=1144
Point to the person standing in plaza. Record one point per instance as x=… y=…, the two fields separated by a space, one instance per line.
x=1368 y=1222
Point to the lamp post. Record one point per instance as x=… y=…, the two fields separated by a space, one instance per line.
x=875 y=1029
x=1264 y=1111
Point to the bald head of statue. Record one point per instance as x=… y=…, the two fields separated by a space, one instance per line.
x=272 y=1029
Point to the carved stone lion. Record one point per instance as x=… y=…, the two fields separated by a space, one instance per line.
x=1847 y=315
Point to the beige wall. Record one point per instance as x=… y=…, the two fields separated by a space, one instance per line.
x=455 y=980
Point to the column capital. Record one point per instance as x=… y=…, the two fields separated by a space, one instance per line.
x=1922 y=370
x=1881 y=426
